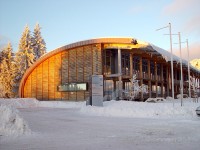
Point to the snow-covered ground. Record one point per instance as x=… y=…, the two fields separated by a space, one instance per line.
x=118 y=125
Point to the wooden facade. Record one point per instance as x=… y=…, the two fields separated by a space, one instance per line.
x=75 y=63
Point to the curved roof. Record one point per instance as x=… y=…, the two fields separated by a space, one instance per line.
x=148 y=47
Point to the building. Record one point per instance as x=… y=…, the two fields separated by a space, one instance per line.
x=64 y=73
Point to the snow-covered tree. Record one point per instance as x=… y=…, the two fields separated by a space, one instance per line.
x=7 y=72
x=135 y=88
x=194 y=85
x=25 y=56
x=39 y=45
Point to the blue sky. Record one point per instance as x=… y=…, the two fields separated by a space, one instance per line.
x=67 y=21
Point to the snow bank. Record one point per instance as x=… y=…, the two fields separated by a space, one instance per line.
x=11 y=123
x=142 y=110
x=32 y=102
x=61 y=104
x=20 y=102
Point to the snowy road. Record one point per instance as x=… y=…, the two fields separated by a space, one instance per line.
x=68 y=129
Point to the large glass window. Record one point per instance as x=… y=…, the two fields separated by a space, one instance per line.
x=72 y=87
x=152 y=69
x=110 y=62
x=144 y=65
x=136 y=63
x=108 y=89
x=126 y=64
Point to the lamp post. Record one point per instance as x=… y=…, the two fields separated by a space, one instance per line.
x=172 y=69
x=181 y=66
x=181 y=84
x=188 y=68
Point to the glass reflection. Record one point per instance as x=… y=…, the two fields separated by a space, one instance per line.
x=72 y=87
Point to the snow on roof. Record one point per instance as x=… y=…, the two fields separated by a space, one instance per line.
x=167 y=56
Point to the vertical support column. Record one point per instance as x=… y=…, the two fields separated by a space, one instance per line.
x=120 y=72
x=156 y=81
x=131 y=65
x=182 y=83
x=162 y=94
x=176 y=79
x=167 y=76
x=141 y=78
x=149 y=77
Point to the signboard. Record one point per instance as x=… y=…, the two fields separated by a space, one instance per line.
x=72 y=87
x=97 y=90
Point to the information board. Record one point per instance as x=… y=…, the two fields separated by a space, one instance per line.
x=97 y=90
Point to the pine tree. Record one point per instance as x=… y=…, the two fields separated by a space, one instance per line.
x=39 y=44
x=7 y=73
x=25 y=56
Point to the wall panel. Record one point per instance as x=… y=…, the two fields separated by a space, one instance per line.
x=39 y=82
x=79 y=64
x=80 y=96
x=72 y=96
x=87 y=67
x=29 y=86
x=34 y=83
x=45 y=80
x=26 y=89
x=87 y=63
x=64 y=73
x=72 y=65
x=97 y=59
x=51 y=78
x=57 y=76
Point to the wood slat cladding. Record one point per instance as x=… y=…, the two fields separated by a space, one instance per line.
x=39 y=82
x=64 y=72
x=57 y=76
x=87 y=67
x=72 y=72
x=25 y=89
x=80 y=71
x=34 y=83
x=79 y=64
x=97 y=59
x=45 y=81
x=80 y=95
x=72 y=65
x=51 y=78
x=87 y=62
x=29 y=86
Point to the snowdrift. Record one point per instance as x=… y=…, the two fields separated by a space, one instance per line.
x=143 y=110
x=20 y=102
x=11 y=123
x=32 y=102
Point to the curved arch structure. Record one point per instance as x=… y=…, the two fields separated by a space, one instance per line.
x=76 y=62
